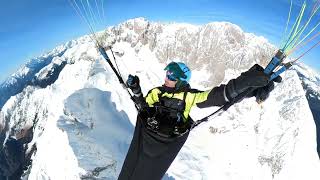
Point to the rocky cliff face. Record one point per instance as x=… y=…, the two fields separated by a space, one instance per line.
x=217 y=46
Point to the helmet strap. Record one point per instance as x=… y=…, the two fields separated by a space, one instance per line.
x=180 y=84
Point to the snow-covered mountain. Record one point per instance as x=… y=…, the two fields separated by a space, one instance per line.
x=311 y=85
x=85 y=119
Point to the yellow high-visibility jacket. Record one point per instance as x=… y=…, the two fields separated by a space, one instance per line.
x=203 y=99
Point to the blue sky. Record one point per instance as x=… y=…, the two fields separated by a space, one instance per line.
x=29 y=28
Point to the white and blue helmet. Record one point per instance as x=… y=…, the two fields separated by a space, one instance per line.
x=178 y=71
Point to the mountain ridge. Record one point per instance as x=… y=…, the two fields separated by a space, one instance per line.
x=78 y=101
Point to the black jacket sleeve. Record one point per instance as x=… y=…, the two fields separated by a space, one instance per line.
x=216 y=97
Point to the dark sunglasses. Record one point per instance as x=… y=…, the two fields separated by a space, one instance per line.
x=170 y=76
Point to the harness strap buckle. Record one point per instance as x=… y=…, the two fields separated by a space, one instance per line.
x=152 y=123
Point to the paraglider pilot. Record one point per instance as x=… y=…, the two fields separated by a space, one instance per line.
x=163 y=122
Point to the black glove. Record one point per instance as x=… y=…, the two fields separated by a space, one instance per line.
x=253 y=78
x=133 y=83
x=263 y=93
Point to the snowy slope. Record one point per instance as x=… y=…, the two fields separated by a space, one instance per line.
x=250 y=141
x=85 y=118
x=310 y=81
x=26 y=74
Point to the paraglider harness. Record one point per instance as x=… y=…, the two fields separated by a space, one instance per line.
x=166 y=117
